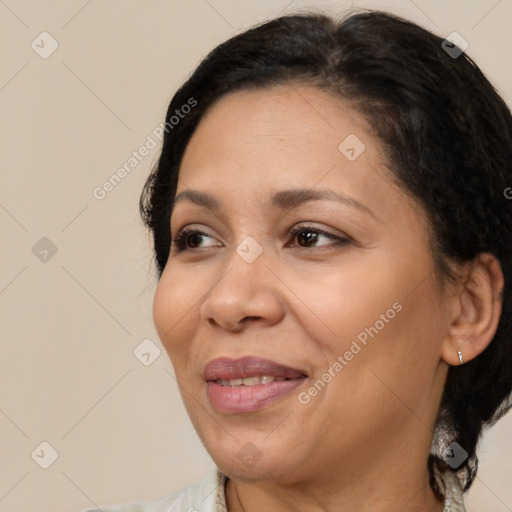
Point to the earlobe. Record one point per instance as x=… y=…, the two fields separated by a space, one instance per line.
x=454 y=353
x=477 y=310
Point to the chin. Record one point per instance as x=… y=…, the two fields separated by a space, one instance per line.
x=254 y=460
x=261 y=470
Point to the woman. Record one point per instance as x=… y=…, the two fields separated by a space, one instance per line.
x=332 y=237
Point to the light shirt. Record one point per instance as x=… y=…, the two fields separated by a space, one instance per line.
x=208 y=495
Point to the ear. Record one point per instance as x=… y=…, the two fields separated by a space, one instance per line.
x=476 y=310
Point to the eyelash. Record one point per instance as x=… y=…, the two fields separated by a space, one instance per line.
x=180 y=241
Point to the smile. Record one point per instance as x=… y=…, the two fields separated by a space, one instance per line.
x=249 y=383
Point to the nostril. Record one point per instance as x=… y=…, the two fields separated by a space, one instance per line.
x=233 y=327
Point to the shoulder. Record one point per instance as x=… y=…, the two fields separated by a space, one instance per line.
x=206 y=495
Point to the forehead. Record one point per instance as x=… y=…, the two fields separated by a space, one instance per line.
x=253 y=141
x=277 y=129
x=285 y=113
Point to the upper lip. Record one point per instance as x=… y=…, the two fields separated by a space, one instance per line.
x=248 y=366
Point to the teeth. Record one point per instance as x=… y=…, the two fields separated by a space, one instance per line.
x=249 y=381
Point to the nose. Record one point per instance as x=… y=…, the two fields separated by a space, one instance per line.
x=245 y=293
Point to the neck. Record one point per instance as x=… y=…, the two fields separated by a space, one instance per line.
x=383 y=485
x=241 y=497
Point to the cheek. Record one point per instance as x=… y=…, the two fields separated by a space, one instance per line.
x=343 y=301
x=175 y=311
x=403 y=353
x=392 y=311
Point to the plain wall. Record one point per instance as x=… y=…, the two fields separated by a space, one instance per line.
x=70 y=321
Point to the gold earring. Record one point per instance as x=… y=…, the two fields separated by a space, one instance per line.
x=460 y=357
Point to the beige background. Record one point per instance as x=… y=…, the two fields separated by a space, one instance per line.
x=69 y=325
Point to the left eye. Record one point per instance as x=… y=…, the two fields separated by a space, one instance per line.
x=310 y=236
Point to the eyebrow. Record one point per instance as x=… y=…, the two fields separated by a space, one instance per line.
x=284 y=199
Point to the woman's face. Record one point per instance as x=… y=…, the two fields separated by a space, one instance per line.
x=348 y=308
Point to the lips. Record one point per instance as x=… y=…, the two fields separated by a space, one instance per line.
x=233 y=386
x=226 y=368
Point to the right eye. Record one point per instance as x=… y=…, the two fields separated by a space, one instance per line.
x=191 y=239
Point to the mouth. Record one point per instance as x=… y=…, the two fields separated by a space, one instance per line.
x=249 y=383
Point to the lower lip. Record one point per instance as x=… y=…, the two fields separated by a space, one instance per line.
x=249 y=398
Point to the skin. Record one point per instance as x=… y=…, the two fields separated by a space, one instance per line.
x=362 y=442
